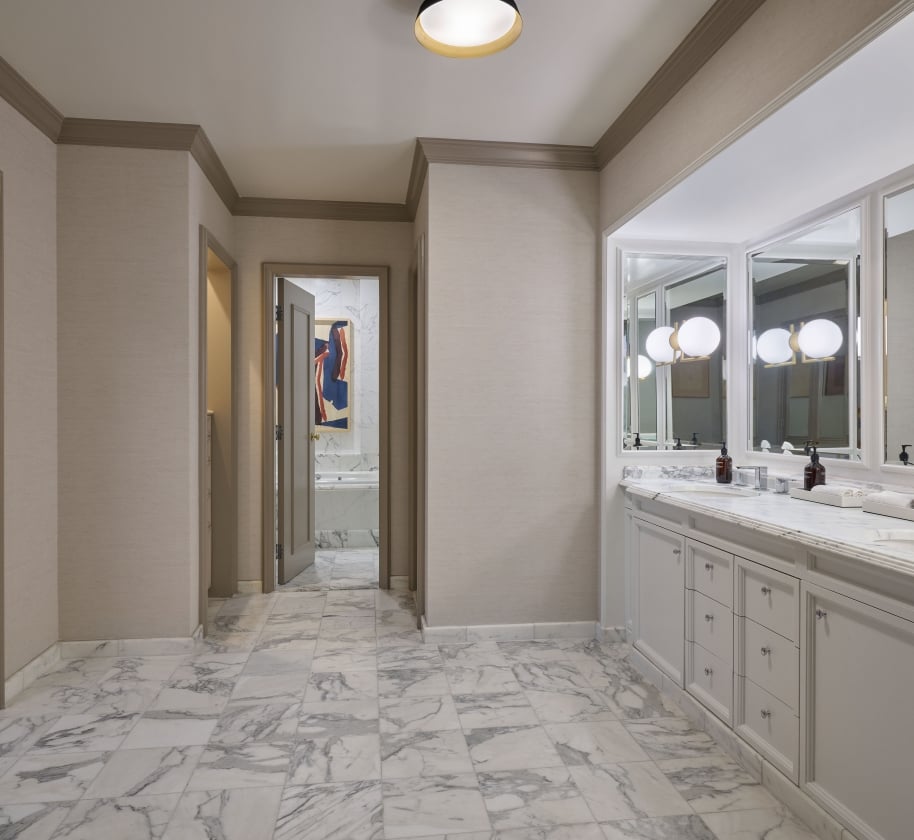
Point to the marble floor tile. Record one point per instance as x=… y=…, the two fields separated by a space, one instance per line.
x=341 y=758
x=530 y=798
x=17 y=733
x=145 y=772
x=418 y=714
x=285 y=640
x=277 y=688
x=409 y=754
x=488 y=711
x=136 y=817
x=628 y=791
x=346 y=630
x=482 y=679
x=338 y=718
x=240 y=814
x=433 y=805
x=405 y=658
x=349 y=811
x=151 y=668
x=511 y=748
x=89 y=732
x=54 y=699
x=632 y=698
x=583 y=704
x=274 y=663
x=392 y=636
x=550 y=676
x=226 y=643
x=34 y=821
x=240 y=604
x=767 y=824
x=170 y=729
x=307 y=625
x=251 y=622
x=244 y=722
x=594 y=742
x=671 y=738
x=299 y=604
x=251 y=765
x=582 y=831
x=659 y=828
x=420 y=682
x=50 y=778
x=342 y=685
x=473 y=655
x=715 y=783
x=363 y=657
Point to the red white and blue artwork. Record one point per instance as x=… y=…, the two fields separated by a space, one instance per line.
x=333 y=374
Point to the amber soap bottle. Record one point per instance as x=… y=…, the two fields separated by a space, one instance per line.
x=814 y=472
x=724 y=467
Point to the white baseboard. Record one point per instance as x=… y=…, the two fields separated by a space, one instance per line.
x=44 y=663
x=508 y=632
x=250 y=587
x=130 y=647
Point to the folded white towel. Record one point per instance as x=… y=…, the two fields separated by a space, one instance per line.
x=834 y=490
x=889 y=497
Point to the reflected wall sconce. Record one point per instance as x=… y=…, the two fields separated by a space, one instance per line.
x=645 y=368
x=694 y=341
x=468 y=28
x=817 y=341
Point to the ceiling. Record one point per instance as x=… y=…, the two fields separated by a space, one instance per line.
x=853 y=127
x=323 y=99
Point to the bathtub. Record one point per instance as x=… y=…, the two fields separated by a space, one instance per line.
x=346 y=509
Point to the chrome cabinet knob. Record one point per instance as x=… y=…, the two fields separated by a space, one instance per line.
x=766 y=590
x=820 y=614
x=709 y=671
x=709 y=617
x=766 y=651
x=709 y=567
x=766 y=714
x=677 y=551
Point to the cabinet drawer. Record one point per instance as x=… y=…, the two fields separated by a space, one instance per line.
x=710 y=570
x=769 y=725
x=711 y=625
x=769 y=598
x=770 y=661
x=710 y=680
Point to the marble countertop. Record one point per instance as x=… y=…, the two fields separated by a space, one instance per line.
x=846 y=531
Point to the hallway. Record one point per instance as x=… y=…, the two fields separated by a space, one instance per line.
x=310 y=716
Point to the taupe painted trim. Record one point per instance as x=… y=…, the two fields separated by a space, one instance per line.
x=497 y=153
x=346 y=211
x=29 y=102
x=864 y=37
x=706 y=38
x=417 y=176
x=202 y=151
x=2 y=460
x=229 y=574
x=270 y=272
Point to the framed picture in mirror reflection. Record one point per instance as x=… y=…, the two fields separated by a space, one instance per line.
x=691 y=379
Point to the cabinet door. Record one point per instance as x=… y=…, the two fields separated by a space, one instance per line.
x=660 y=565
x=858 y=728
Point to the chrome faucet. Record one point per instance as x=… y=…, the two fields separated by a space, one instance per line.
x=761 y=477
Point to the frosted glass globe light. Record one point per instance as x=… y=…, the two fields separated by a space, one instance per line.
x=658 y=345
x=820 y=338
x=773 y=346
x=467 y=28
x=645 y=368
x=699 y=337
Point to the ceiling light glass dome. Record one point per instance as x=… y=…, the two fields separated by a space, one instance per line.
x=468 y=28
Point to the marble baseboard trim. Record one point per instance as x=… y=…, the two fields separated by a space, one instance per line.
x=44 y=663
x=508 y=632
x=784 y=790
x=611 y=635
x=129 y=647
x=250 y=587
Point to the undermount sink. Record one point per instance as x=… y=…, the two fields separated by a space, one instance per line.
x=722 y=491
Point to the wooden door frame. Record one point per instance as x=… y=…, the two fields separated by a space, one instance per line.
x=272 y=270
x=2 y=465
x=208 y=242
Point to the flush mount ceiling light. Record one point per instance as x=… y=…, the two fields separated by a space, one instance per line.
x=468 y=28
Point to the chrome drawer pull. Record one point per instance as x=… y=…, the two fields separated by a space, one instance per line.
x=821 y=614
x=709 y=617
x=766 y=590
x=766 y=651
x=709 y=567
x=709 y=671
x=677 y=551
x=766 y=714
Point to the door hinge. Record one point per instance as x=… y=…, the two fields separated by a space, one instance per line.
x=278 y=551
x=279 y=433
x=278 y=312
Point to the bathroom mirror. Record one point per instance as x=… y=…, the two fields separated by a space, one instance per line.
x=673 y=354
x=899 y=302
x=805 y=362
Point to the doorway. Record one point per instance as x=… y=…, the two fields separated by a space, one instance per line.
x=218 y=423
x=339 y=492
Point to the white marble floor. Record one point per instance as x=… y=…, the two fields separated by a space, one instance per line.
x=339 y=568
x=323 y=716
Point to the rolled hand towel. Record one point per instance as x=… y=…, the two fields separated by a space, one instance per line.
x=889 y=497
x=835 y=490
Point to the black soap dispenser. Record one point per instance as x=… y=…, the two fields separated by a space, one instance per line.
x=814 y=473
x=903 y=455
x=724 y=466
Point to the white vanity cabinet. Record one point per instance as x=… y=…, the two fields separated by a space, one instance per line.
x=658 y=570
x=858 y=663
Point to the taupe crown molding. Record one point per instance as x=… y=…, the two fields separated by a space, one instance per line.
x=706 y=38
x=29 y=102
x=346 y=211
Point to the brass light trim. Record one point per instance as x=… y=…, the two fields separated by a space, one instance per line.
x=475 y=51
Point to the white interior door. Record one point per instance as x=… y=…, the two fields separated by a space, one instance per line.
x=295 y=411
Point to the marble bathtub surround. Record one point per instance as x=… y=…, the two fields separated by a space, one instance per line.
x=554 y=739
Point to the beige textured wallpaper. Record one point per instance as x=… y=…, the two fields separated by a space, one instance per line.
x=782 y=42
x=28 y=161
x=260 y=240
x=127 y=352
x=513 y=354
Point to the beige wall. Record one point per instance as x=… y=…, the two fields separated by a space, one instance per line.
x=28 y=161
x=127 y=349
x=782 y=42
x=513 y=322
x=260 y=240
